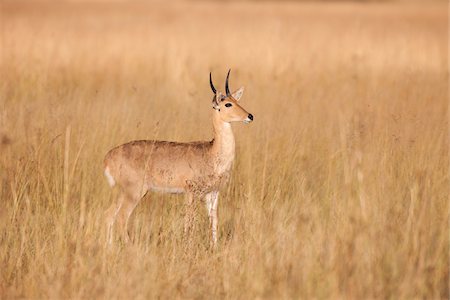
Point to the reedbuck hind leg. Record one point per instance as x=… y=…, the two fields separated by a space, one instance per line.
x=212 y=200
x=111 y=215
x=129 y=203
x=120 y=212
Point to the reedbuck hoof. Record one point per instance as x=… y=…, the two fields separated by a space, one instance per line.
x=126 y=239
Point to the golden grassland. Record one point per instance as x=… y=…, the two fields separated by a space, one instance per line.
x=340 y=185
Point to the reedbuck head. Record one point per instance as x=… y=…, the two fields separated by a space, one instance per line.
x=227 y=106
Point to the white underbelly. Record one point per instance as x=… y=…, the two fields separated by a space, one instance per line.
x=168 y=190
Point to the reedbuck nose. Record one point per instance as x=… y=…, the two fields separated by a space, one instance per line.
x=250 y=116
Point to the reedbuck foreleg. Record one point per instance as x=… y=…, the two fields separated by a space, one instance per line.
x=212 y=200
x=189 y=218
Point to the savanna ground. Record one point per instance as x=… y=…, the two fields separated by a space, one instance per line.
x=340 y=186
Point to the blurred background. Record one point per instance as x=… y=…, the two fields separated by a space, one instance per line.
x=340 y=185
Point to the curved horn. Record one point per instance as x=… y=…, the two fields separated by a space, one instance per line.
x=227 y=89
x=211 y=84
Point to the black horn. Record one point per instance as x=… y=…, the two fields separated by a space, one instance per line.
x=211 y=84
x=227 y=89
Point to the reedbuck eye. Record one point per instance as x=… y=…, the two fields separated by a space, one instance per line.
x=228 y=105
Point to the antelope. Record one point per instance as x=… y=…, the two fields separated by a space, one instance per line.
x=196 y=169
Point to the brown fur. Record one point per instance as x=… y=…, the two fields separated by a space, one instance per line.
x=161 y=159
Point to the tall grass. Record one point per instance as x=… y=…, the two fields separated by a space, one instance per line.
x=340 y=185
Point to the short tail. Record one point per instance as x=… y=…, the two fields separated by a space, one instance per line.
x=109 y=177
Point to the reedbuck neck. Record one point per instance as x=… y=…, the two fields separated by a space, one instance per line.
x=223 y=147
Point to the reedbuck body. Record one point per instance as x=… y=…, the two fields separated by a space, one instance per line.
x=197 y=169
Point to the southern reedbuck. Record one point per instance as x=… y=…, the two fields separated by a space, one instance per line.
x=197 y=169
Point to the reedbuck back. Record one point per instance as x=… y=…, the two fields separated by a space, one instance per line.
x=197 y=169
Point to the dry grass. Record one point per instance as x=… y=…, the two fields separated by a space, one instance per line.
x=340 y=188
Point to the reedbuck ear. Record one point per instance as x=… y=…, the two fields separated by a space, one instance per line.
x=238 y=93
x=216 y=100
